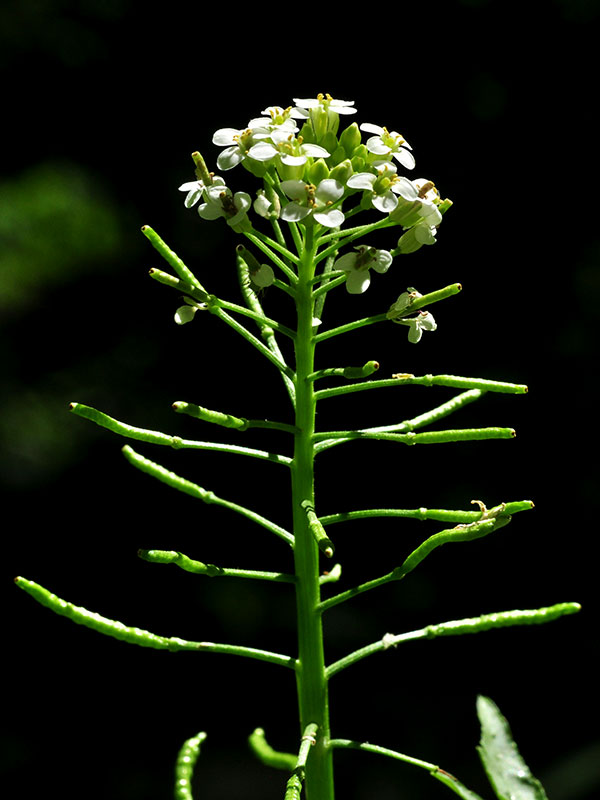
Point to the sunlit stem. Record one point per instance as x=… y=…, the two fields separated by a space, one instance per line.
x=311 y=680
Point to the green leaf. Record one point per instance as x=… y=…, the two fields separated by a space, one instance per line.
x=509 y=775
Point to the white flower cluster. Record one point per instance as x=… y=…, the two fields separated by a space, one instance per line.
x=309 y=171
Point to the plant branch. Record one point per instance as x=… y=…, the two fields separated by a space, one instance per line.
x=420 y=421
x=117 y=630
x=441 y=775
x=457 y=627
x=406 y=379
x=187 y=487
x=176 y=442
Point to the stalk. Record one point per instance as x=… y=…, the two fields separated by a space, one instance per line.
x=311 y=677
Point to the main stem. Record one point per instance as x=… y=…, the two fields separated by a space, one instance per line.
x=311 y=678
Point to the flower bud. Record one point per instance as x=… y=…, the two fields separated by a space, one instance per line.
x=338 y=155
x=202 y=172
x=445 y=205
x=350 y=139
x=316 y=172
x=415 y=238
x=257 y=168
x=329 y=142
x=407 y=213
x=342 y=171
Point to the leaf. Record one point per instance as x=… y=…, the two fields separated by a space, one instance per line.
x=509 y=775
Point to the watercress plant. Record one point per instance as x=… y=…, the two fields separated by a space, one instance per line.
x=295 y=243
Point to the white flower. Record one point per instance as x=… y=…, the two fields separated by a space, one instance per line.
x=429 y=198
x=266 y=207
x=403 y=303
x=237 y=143
x=385 y=143
x=186 y=313
x=358 y=264
x=221 y=202
x=263 y=276
x=423 y=322
x=326 y=102
x=277 y=118
x=383 y=187
x=293 y=151
x=316 y=200
x=194 y=191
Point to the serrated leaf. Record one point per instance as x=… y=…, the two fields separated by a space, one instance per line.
x=509 y=775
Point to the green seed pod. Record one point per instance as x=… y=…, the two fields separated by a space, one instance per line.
x=265 y=753
x=323 y=541
x=109 y=627
x=216 y=417
x=361 y=372
x=461 y=533
x=502 y=619
x=184 y=766
x=350 y=139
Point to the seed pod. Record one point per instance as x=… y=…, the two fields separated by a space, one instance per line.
x=184 y=766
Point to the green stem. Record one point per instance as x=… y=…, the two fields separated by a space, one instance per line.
x=311 y=680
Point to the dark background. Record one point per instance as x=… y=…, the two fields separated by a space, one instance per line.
x=103 y=103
